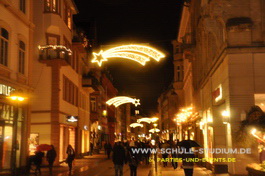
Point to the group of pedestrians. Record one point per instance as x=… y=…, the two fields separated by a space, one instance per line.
x=124 y=152
x=50 y=157
x=187 y=165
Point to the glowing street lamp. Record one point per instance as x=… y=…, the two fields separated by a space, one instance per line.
x=137 y=53
x=17 y=97
x=117 y=101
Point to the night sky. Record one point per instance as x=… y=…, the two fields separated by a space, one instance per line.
x=135 y=21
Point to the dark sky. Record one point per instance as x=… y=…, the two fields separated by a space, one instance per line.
x=136 y=21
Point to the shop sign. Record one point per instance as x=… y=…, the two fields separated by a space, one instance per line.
x=217 y=94
x=72 y=118
x=5 y=90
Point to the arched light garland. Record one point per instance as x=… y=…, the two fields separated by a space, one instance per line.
x=147 y=120
x=154 y=130
x=55 y=47
x=138 y=53
x=134 y=125
x=117 y=101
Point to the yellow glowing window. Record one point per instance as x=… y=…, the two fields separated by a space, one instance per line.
x=54 y=5
x=69 y=19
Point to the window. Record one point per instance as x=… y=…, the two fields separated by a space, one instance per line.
x=93 y=104
x=21 y=57
x=67 y=16
x=52 y=6
x=179 y=76
x=22 y=6
x=52 y=39
x=3 y=46
x=70 y=91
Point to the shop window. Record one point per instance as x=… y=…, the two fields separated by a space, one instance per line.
x=21 y=57
x=4 y=37
x=22 y=5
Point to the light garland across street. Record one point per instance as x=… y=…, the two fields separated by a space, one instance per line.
x=117 y=101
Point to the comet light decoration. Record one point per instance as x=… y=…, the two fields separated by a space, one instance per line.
x=137 y=53
x=147 y=120
x=117 y=101
x=154 y=130
x=134 y=125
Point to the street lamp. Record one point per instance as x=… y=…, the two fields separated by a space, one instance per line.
x=17 y=97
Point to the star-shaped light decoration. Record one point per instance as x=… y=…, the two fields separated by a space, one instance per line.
x=99 y=58
x=137 y=102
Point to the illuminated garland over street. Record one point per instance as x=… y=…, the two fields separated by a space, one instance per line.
x=147 y=120
x=134 y=125
x=117 y=101
x=137 y=53
x=154 y=130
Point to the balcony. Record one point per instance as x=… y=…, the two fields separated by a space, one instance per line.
x=90 y=82
x=52 y=53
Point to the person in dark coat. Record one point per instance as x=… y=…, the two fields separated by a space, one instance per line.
x=91 y=148
x=187 y=163
x=38 y=160
x=71 y=156
x=133 y=161
x=119 y=158
x=108 y=149
x=51 y=155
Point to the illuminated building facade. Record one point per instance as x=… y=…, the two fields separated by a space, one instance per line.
x=218 y=70
x=16 y=32
x=60 y=60
x=103 y=117
x=167 y=107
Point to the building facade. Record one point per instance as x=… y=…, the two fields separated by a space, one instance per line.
x=16 y=32
x=221 y=47
x=168 y=107
x=60 y=109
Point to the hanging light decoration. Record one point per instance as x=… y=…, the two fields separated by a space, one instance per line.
x=147 y=120
x=134 y=125
x=117 y=101
x=184 y=115
x=56 y=47
x=154 y=130
x=137 y=53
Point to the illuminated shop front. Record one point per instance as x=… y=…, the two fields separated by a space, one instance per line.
x=67 y=137
x=9 y=112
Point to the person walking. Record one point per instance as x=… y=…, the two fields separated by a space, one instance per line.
x=71 y=156
x=165 y=146
x=119 y=158
x=187 y=163
x=133 y=162
x=38 y=160
x=108 y=149
x=91 y=148
x=51 y=155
